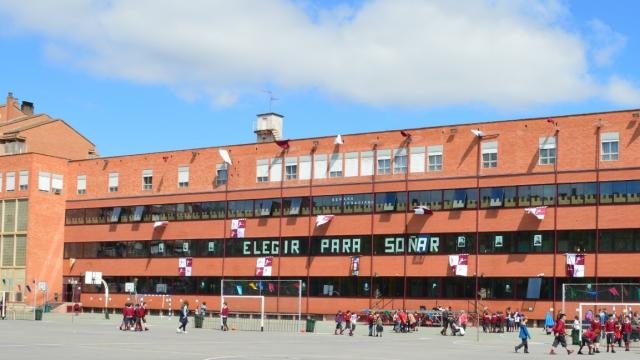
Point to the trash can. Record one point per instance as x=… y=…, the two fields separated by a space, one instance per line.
x=47 y=308
x=310 y=326
x=38 y=314
x=575 y=337
x=198 y=319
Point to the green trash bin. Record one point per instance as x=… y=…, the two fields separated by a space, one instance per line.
x=38 y=314
x=310 y=326
x=575 y=337
x=198 y=319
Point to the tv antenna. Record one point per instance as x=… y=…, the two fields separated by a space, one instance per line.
x=271 y=97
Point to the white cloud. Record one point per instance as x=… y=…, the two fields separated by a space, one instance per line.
x=422 y=53
x=622 y=92
x=606 y=42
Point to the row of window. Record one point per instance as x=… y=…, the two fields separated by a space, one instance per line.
x=496 y=197
x=46 y=181
x=376 y=287
x=399 y=161
x=523 y=242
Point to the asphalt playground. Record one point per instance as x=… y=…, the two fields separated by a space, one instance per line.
x=89 y=337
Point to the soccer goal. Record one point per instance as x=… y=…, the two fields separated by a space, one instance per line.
x=264 y=304
x=620 y=309
x=605 y=292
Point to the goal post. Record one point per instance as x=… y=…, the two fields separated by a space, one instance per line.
x=605 y=292
x=617 y=308
x=263 y=290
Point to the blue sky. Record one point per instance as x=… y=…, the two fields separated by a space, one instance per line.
x=149 y=76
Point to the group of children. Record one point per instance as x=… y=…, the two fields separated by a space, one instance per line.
x=615 y=329
x=133 y=317
x=499 y=322
x=349 y=320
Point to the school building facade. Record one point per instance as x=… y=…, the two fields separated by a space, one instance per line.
x=482 y=188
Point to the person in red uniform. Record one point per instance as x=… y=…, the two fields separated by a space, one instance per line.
x=347 y=321
x=596 y=326
x=559 y=332
x=588 y=337
x=609 y=331
x=627 y=329
x=224 y=315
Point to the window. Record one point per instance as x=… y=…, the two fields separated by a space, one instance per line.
x=0 y=181
x=576 y=241
x=429 y=198
x=516 y=242
x=56 y=183
x=240 y=208
x=460 y=199
x=113 y=182
x=15 y=147
x=305 y=167
x=620 y=192
x=320 y=166
x=547 y=155
x=391 y=201
x=11 y=181
x=262 y=170
x=341 y=245
x=291 y=168
x=267 y=207
x=609 y=146
x=351 y=164
x=536 y=195
x=577 y=194
x=81 y=184
x=498 y=197
x=335 y=165
x=490 y=154
x=147 y=179
x=210 y=210
x=417 y=159
x=366 y=163
x=296 y=206
x=358 y=203
x=331 y=204
x=620 y=240
x=400 y=161
x=384 y=162
x=221 y=174
x=434 y=153
x=183 y=177
x=24 y=180
x=275 y=170
x=44 y=181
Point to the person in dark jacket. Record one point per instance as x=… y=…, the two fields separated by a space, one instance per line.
x=524 y=336
x=184 y=317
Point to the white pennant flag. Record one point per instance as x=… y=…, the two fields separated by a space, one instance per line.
x=477 y=133
x=338 y=140
x=538 y=211
x=323 y=219
x=160 y=223
x=422 y=210
x=225 y=156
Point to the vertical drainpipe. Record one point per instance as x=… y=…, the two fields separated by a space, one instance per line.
x=406 y=221
x=310 y=227
x=555 y=216
x=598 y=133
x=373 y=211
x=477 y=267
x=282 y=175
x=224 y=225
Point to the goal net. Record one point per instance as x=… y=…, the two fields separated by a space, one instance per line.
x=588 y=310
x=263 y=305
x=602 y=292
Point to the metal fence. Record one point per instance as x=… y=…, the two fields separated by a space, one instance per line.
x=252 y=322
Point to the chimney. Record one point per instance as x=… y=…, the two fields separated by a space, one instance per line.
x=268 y=127
x=27 y=107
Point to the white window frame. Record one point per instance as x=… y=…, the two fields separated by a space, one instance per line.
x=183 y=177
x=351 y=164
x=366 y=163
x=0 y=185
x=291 y=168
x=435 y=157
x=222 y=168
x=10 y=183
x=383 y=162
x=489 y=154
x=147 y=174
x=81 y=184
x=57 y=183
x=114 y=181
x=262 y=170
x=304 y=167
x=275 y=169
x=547 y=145
x=320 y=166
x=606 y=142
x=417 y=159
x=400 y=161
x=24 y=180
x=44 y=181
x=335 y=165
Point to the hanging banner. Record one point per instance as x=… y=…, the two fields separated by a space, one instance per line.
x=185 y=266
x=459 y=264
x=264 y=266
x=575 y=265
x=539 y=211
x=238 y=227
x=355 y=265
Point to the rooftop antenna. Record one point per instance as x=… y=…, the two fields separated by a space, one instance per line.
x=271 y=97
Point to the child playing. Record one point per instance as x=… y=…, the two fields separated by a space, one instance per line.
x=627 y=329
x=524 y=336
x=379 y=326
x=609 y=330
x=596 y=326
x=588 y=337
x=559 y=332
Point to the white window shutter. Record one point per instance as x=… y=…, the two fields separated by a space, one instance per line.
x=0 y=181
x=610 y=136
x=366 y=163
x=24 y=178
x=82 y=182
x=44 y=181
x=351 y=164
x=275 y=173
x=262 y=169
x=113 y=179
x=183 y=174
x=547 y=142
x=304 y=169
x=434 y=150
x=56 y=182
x=11 y=181
x=335 y=164
x=320 y=167
x=417 y=159
x=489 y=147
x=384 y=154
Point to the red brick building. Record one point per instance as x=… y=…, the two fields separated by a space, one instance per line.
x=582 y=169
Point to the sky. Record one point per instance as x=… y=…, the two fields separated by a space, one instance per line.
x=138 y=76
